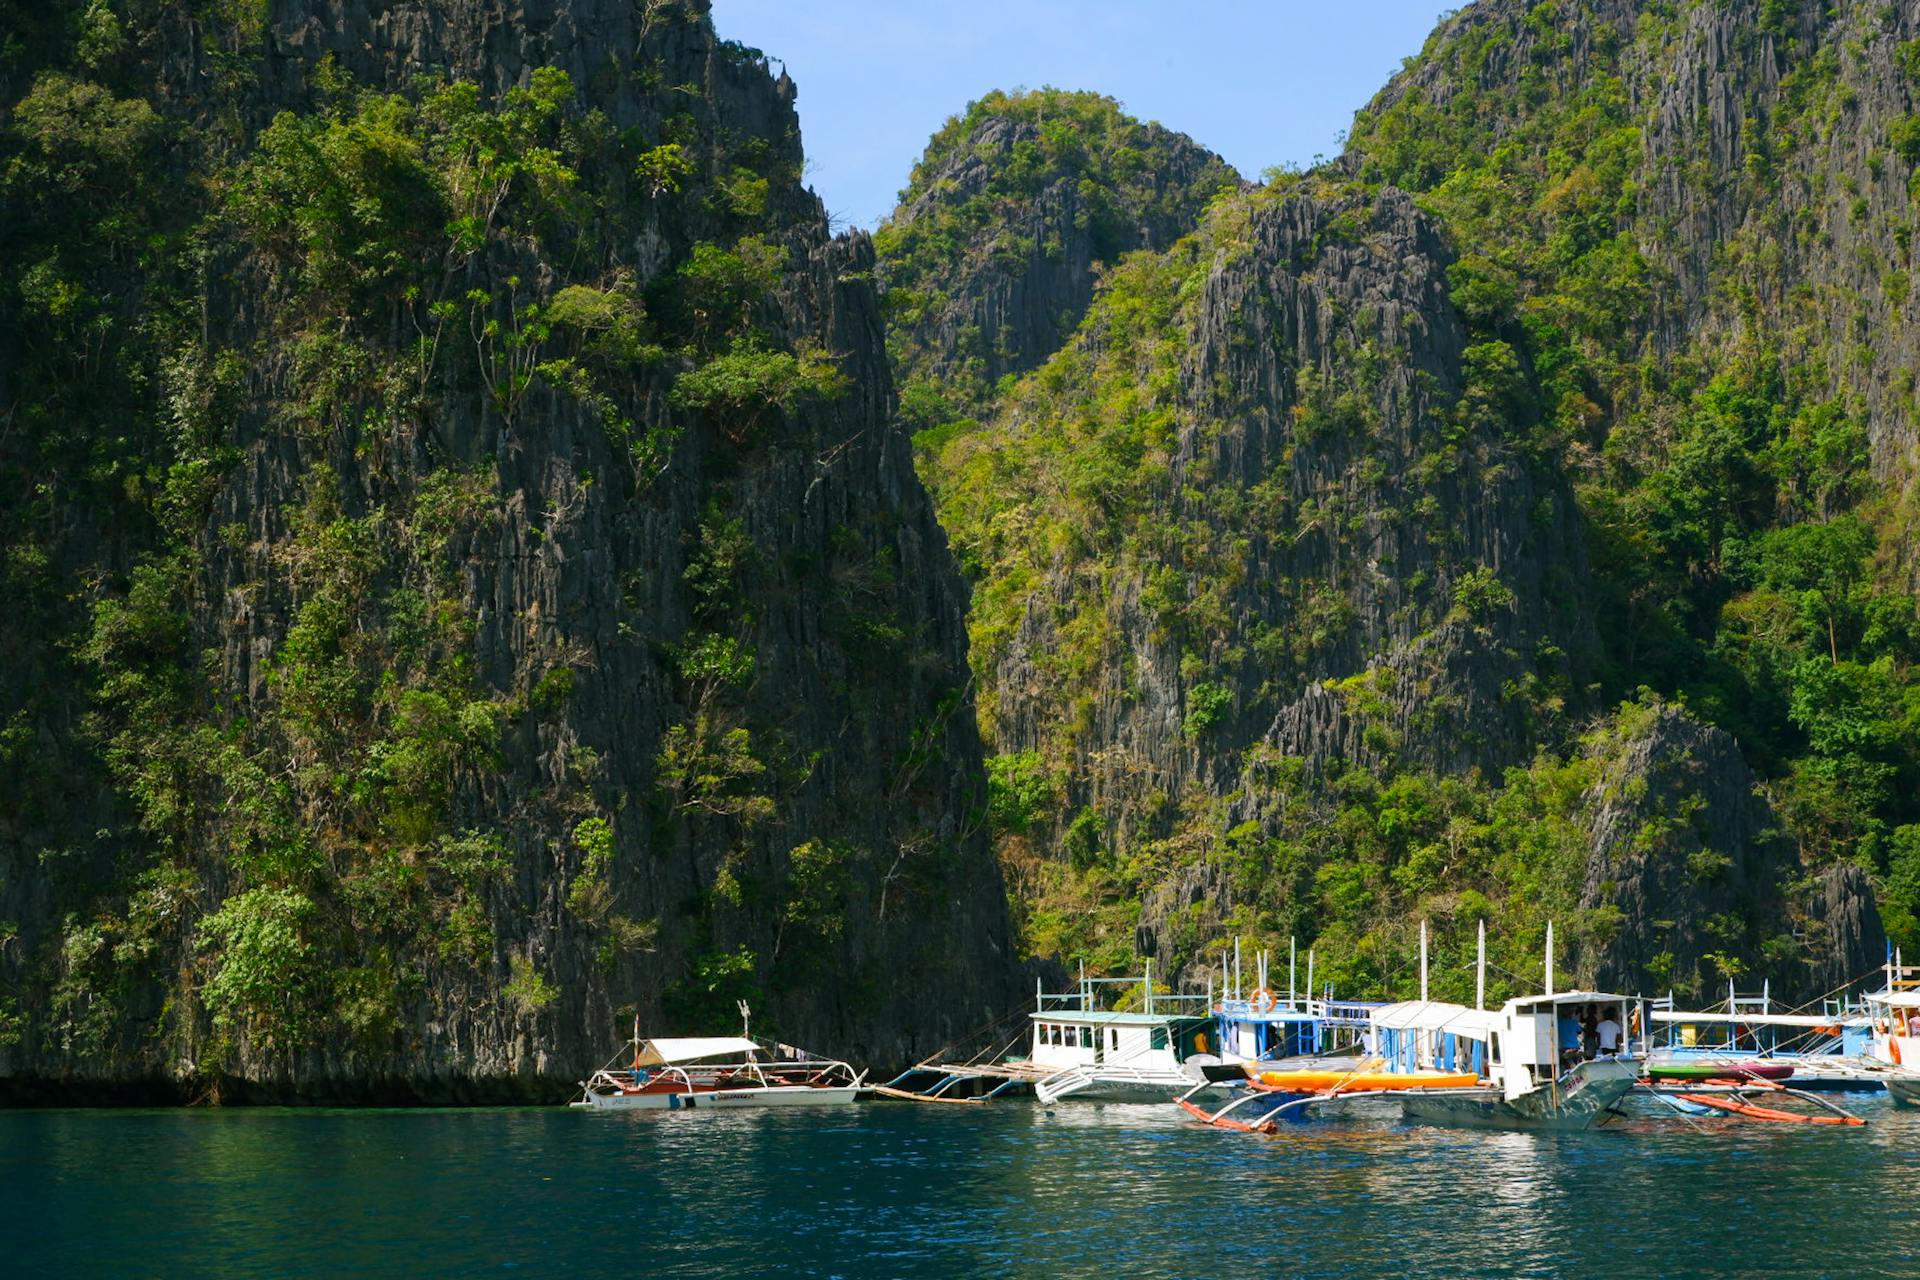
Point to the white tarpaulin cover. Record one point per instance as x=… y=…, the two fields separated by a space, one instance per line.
x=1437 y=1015
x=666 y=1053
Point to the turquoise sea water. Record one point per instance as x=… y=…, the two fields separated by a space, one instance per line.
x=895 y=1189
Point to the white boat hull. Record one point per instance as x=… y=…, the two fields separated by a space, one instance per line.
x=794 y=1096
x=1905 y=1089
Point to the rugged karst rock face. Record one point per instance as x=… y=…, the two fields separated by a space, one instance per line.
x=1772 y=150
x=1689 y=859
x=538 y=622
x=1311 y=456
x=990 y=260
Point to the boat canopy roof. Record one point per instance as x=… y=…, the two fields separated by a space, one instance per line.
x=1572 y=997
x=1438 y=1015
x=666 y=1053
x=1898 y=999
x=1754 y=1019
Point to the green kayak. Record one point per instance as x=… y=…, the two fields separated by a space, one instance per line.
x=1720 y=1071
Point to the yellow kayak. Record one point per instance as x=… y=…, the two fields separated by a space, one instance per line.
x=1364 y=1081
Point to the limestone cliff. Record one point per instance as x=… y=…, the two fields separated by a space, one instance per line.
x=530 y=618
x=991 y=258
x=1689 y=862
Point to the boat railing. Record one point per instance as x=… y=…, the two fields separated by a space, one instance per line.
x=1349 y=1013
x=1085 y=1000
x=1247 y=1010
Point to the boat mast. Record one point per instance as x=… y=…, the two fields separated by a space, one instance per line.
x=1236 y=969
x=1549 y=957
x=1480 y=971
x=1423 y=962
x=1309 y=979
x=1293 y=955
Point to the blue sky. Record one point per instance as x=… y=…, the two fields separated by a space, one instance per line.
x=1262 y=82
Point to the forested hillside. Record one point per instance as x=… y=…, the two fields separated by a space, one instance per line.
x=462 y=590
x=1509 y=519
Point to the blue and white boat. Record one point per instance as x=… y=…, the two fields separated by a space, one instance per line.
x=1265 y=1026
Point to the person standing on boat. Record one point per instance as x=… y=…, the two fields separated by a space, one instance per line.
x=1590 y=1035
x=1569 y=1037
x=1609 y=1030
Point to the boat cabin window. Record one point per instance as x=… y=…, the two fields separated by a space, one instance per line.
x=1086 y=1037
x=1159 y=1039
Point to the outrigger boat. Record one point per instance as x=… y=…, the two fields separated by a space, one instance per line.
x=716 y=1071
x=1532 y=1079
x=1444 y=1063
x=1176 y=1043
x=1825 y=1051
x=1118 y=1055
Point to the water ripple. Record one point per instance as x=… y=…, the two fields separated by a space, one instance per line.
x=898 y=1190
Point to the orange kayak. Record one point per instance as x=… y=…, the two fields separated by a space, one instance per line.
x=1366 y=1081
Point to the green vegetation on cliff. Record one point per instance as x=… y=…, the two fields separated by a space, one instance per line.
x=990 y=259
x=1391 y=582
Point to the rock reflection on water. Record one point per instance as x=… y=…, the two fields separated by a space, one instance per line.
x=895 y=1189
